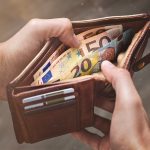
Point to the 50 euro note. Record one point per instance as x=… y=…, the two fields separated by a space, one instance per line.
x=66 y=64
x=62 y=47
x=91 y=63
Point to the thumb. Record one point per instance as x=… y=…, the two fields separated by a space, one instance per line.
x=121 y=82
x=116 y=76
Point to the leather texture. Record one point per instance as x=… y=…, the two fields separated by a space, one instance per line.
x=49 y=121
x=140 y=64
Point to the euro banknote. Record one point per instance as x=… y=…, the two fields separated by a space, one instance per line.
x=71 y=56
x=82 y=36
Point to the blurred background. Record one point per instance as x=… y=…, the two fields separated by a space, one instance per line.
x=14 y=14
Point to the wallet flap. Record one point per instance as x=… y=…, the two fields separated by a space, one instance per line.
x=111 y=20
x=136 y=48
x=142 y=62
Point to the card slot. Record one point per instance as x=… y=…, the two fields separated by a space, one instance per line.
x=48 y=102
x=48 y=95
x=75 y=94
x=50 y=98
x=50 y=107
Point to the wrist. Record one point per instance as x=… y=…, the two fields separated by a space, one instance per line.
x=3 y=71
x=8 y=67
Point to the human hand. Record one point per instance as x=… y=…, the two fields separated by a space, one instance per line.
x=130 y=126
x=19 y=50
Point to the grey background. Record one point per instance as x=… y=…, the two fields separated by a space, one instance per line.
x=16 y=13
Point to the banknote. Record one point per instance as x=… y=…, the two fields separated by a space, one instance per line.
x=50 y=60
x=88 y=45
x=69 y=57
x=91 y=63
x=62 y=48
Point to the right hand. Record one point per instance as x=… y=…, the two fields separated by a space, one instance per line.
x=130 y=125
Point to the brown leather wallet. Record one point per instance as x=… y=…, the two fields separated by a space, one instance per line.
x=39 y=123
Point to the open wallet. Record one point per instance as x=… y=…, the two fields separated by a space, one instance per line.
x=42 y=111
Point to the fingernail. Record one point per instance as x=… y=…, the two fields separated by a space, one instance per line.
x=76 y=42
x=107 y=64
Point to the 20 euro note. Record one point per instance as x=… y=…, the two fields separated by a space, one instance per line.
x=62 y=47
x=69 y=58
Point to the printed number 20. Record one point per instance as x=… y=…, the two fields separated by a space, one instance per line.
x=83 y=67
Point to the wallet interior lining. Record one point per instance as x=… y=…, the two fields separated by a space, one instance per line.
x=137 y=26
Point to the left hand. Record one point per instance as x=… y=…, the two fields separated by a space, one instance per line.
x=19 y=50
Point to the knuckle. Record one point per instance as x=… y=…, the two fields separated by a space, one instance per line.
x=67 y=23
x=34 y=22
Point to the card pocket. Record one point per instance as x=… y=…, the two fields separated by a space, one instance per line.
x=60 y=120
x=56 y=110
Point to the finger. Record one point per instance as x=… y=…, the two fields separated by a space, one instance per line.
x=64 y=31
x=104 y=103
x=122 y=83
x=70 y=40
x=88 y=138
x=61 y=28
